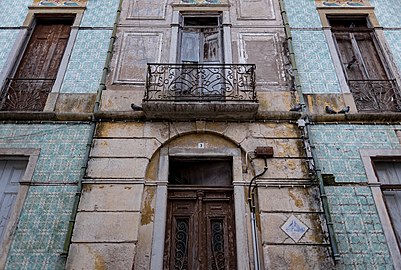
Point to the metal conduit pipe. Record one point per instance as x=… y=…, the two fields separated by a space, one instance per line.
x=91 y=135
x=252 y=209
x=306 y=130
x=326 y=208
x=288 y=36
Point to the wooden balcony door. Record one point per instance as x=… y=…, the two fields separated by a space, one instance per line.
x=34 y=78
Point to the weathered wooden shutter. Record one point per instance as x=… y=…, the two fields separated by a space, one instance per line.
x=370 y=56
x=37 y=70
x=352 y=67
x=364 y=65
x=11 y=173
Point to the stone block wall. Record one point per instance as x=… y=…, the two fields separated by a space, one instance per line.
x=123 y=177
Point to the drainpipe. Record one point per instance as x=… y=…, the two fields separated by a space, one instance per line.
x=252 y=209
x=304 y=125
x=102 y=87
x=287 y=30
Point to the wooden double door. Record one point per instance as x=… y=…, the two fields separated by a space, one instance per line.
x=200 y=228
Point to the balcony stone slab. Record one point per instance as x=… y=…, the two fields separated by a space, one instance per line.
x=200 y=110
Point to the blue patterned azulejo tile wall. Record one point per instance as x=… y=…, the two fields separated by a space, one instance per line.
x=388 y=12
x=302 y=14
x=314 y=63
x=359 y=233
x=337 y=147
x=7 y=39
x=42 y=227
x=62 y=148
x=87 y=60
x=100 y=13
x=393 y=39
x=13 y=12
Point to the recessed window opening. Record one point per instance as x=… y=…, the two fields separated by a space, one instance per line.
x=339 y=22
x=201 y=21
x=201 y=172
x=364 y=64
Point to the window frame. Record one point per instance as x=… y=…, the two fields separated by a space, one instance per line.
x=368 y=156
x=183 y=28
x=23 y=38
x=221 y=10
x=32 y=156
x=381 y=44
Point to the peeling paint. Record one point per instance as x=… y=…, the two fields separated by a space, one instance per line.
x=298 y=262
x=298 y=201
x=99 y=261
x=87 y=188
x=151 y=171
x=148 y=212
x=291 y=165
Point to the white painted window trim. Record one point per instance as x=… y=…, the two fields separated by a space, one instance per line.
x=32 y=155
x=240 y=206
x=367 y=155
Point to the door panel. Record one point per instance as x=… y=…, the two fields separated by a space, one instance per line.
x=200 y=230
x=43 y=54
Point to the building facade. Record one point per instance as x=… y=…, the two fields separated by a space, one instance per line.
x=195 y=128
x=200 y=134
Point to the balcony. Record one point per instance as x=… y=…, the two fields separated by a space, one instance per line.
x=25 y=94
x=376 y=95
x=213 y=91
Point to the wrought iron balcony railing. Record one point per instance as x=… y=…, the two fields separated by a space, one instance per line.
x=25 y=94
x=200 y=82
x=376 y=95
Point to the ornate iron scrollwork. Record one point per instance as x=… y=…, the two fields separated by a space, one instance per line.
x=376 y=95
x=200 y=82
x=218 y=262
x=181 y=245
x=25 y=94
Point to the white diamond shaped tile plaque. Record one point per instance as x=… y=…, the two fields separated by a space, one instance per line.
x=294 y=228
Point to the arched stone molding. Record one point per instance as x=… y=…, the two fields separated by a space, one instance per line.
x=186 y=145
